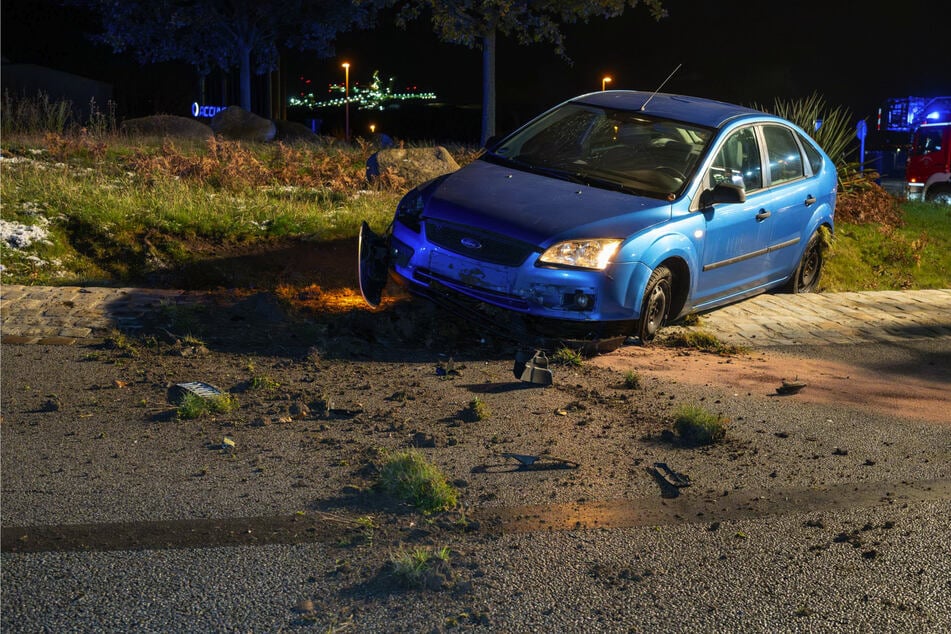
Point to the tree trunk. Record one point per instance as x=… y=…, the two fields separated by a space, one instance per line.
x=488 y=86
x=245 y=78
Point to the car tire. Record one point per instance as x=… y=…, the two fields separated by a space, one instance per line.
x=806 y=277
x=940 y=195
x=655 y=306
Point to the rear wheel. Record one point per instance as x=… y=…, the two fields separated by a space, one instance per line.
x=809 y=270
x=656 y=304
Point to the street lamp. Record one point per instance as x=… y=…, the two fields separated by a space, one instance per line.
x=604 y=81
x=346 y=101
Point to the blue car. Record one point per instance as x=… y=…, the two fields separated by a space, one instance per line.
x=612 y=213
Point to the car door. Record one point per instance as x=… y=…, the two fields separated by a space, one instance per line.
x=735 y=241
x=792 y=198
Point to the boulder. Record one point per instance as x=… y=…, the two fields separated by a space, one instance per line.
x=291 y=131
x=166 y=125
x=412 y=165
x=237 y=124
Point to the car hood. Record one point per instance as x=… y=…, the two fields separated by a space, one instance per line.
x=539 y=209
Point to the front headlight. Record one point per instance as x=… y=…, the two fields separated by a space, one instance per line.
x=585 y=254
x=410 y=209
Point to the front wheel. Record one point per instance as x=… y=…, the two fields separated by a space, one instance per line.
x=942 y=196
x=806 y=277
x=656 y=304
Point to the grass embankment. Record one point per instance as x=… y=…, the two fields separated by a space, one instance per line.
x=113 y=209
x=872 y=256
x=116 y=209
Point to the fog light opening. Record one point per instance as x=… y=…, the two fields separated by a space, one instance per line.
x=579 y=301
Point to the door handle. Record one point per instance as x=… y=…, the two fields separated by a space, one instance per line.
x=762 y=215
x=810 y=199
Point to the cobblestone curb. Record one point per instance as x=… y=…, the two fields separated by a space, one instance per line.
x=65 y=315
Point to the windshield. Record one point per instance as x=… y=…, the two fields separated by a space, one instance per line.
x=613 y=149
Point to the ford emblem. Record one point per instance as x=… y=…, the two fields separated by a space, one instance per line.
x=471 y=243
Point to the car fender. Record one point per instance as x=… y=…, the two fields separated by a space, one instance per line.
x=824 y=215
x=670 y=246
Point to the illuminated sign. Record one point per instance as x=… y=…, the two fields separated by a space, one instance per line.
x=205 y=111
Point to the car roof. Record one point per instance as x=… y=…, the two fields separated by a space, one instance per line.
x=704 y=112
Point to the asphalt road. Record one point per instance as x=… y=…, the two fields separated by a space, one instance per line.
x=853 y=563
x=861 y=544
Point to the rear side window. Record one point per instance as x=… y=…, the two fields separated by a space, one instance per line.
x=812 y=155
x=785 y=161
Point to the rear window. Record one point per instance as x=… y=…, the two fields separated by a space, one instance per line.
x=812 y=154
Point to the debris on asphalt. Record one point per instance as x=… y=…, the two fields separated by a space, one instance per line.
x=674 y=478
x=527 y=462
x=177 y=393
x=790 y=387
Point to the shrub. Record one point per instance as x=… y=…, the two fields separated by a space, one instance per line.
x=836 y=135
x=407 y=476
x=697 y=426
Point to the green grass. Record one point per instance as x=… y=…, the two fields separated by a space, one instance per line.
x=700 y=340
x=193 y=406
x=407 y=476
x=419 y=567
x=867 y=257
x=632 y=380
x=695 y=425
x=476 y=410
x=567 y=357
x=120 y=212
x=264 y=383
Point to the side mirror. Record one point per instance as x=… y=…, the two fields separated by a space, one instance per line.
x=722 y=193
x=492 y=140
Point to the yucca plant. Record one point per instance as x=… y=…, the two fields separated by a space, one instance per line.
x=836 y=134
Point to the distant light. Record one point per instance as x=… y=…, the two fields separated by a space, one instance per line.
x=934 y=116
x=817 y=123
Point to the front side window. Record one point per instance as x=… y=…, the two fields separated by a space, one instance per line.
x=928 y=140
x=785 y=160
x=738 y=162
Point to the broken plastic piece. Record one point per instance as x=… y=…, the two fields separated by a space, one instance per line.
x=527 y=462
x=372 y=265
x=790 y=387
x=673 y=477
x=533 y=369
x=176 y=394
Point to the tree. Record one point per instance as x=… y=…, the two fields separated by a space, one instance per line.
x=478 y=23
x=225 y=34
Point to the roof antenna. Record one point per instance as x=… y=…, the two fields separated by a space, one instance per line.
x=662 y=84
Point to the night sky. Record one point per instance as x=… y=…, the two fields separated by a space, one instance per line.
x=734 y=50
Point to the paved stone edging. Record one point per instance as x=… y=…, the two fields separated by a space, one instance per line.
x=64 y=315
x=61 y=315
x=824 y=318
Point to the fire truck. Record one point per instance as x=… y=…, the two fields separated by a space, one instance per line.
x=928 y=169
